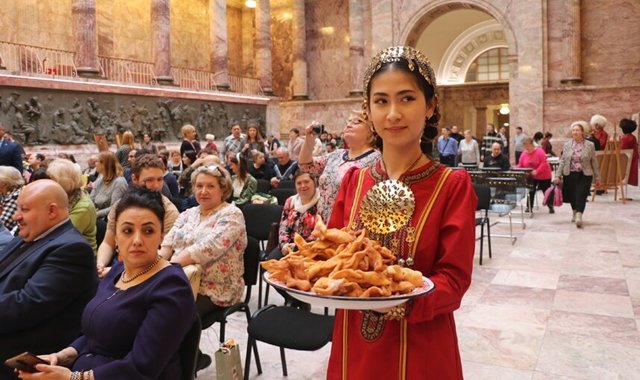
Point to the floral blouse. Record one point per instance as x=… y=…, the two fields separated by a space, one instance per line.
x=332 y=168
x=293 y=221
x=217 y=242
x=576 y=156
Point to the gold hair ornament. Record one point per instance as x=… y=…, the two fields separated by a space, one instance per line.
x=413 y=57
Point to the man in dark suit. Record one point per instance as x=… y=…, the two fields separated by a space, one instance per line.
x=10 y=152
x=47 y=276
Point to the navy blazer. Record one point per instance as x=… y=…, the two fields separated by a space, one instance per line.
x=44 y=291
x=10 y=154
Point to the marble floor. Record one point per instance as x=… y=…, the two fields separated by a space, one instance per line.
x=561 y=303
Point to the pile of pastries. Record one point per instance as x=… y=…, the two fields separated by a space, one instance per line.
x=342 y=263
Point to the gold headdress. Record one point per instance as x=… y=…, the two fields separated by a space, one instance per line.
x=413 y=57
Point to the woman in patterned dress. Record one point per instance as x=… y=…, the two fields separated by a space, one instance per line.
x=331 y=167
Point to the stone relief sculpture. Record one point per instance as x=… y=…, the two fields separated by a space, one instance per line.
x=74 y=120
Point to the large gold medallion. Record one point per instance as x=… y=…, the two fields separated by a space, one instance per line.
x=387 y=207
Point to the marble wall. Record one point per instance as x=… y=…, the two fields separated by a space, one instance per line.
x=124 y=29
x=282 y=49
x=44 y=23
x=190 y=41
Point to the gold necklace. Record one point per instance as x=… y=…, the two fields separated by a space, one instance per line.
x=147 y=269
x=384 y=166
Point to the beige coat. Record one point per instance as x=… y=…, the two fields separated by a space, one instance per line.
x=589 y=161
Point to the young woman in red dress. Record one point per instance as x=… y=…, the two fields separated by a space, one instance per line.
x=433 y=230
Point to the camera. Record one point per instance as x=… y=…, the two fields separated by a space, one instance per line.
x=317 y=128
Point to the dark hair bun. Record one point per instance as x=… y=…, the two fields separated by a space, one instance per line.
x=430 y=132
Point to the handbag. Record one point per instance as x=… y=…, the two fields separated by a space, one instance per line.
x=556 y=196
x=194 y=274
x=228 y=364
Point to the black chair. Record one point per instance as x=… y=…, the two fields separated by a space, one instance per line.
x=251 y=259
x=286 y=184
x=264 y=186
x=286 y=327
x=258 y=219
x=483 y=193
x=188 y=351
x=282 y=194
x=101 y=229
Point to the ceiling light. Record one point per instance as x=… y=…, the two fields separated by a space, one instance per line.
x=504 y=109
x=250 y=3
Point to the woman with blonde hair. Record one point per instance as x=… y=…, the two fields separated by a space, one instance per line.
x=123 y=151
x=110 y=185
x=189 y=139
x=578 y=168
x=82 y=212
x=11 y=182
x=360 y=138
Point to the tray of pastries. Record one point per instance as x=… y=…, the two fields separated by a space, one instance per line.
x=346 y=270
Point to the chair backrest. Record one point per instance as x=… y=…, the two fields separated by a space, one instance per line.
x=251 y=258
x=188 y=351
x=286 y=184
x=258 y=219
x=282 y=194
x=264 y=186
x=483 y=192
x=101 y=229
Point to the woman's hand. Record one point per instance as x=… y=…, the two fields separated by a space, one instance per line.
x=556 y=180
x=47 y=372
x=534 y=172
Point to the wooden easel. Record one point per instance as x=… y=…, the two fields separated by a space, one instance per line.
x=611 y=153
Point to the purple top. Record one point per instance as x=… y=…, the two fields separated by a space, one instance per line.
x=136 y=333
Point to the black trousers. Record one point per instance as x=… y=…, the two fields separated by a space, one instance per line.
x=575 y=190
x=539 y=184
x=448 y=160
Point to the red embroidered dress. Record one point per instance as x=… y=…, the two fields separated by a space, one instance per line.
x=424 y=344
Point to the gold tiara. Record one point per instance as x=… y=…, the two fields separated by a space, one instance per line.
x=413 y=57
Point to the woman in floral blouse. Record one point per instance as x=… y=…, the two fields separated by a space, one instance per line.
x=331 y=167
x=213 y=235
x=299 y=214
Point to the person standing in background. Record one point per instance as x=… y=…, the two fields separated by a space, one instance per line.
x=518 y=143
x=448 y=148
x=295 y=144
x=490 y=137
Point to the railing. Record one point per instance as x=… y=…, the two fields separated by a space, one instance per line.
x=32 y=60
x=127 y=70
x=24 y=59
x=245 y=85
x=196 y=79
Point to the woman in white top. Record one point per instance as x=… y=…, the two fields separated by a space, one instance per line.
x=469 y=150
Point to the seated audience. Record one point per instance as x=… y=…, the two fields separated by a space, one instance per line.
x=298 y=215
x=47 y=276
x=212 y=234
x=148 y=172
x=534 y=158
x=261 y=168
x=170 y=180
x=148 y=147
x=34 y=161
x=284 y=168
x=244 y=185
x=110 y=185
x=82 y=212
x=144 y=298
x=496 y=159
x=11 y=182
x=90 y=170
x=211 y=144
x=294 y=145
x=126 y=173
x=188 y=158
x=254 y=142
x=175 y=163
x=122 y=154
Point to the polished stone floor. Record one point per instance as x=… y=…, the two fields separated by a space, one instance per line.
x=561 y=303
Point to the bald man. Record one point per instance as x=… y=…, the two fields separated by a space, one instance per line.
x=496 y=159
x=47 y=276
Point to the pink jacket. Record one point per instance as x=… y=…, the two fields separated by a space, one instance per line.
x=536 y=160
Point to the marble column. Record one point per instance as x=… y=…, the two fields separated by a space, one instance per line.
x=263 y=46
x=86 y=37
x=571 y=34
x=356 y=46
x=219 y=43
x=481 y=122
x=300 y=84
x=161 y=30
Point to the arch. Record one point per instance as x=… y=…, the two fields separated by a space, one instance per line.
x=429 y=12
x=466 y=48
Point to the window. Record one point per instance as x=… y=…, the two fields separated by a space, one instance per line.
x=492 y=65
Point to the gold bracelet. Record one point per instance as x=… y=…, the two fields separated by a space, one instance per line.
x=396 y=313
